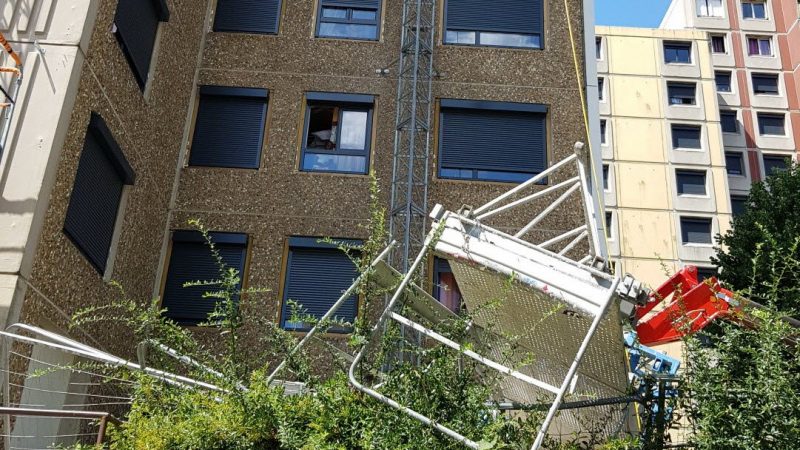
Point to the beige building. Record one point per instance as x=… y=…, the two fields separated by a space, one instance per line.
x=665 y=187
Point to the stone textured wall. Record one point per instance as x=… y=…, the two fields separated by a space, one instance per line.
x=275 y=201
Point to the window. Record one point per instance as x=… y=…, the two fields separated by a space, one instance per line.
x=601 y=82
x=771 y=124
x=678 y=52
x=338 y=133
x=710 y=8
x=686 y=137
x=695 y=230
x=754 y=10
x=681 y=93
x=728 y=121
x=190 y=259
x=734 y=163
x=602 y=131
x=718 y=43
x=247 y=16
x=765 y=84
x=759 y=46
x=445 y=288
x=723 y=81
x=704 y=273
x=491 y=141
x=135 y=25
x=96 y=194
x=514 y=23
x=738 y=205
x=339 y=19
x=605 y=177
x=598 y=48
x=691 y=182
x=316 y=276
x=774 y=163
x=229 y=129
x=609 y=223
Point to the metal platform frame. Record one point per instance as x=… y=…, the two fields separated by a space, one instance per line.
x=595 y=308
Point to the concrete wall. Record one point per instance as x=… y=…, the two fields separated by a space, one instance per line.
x=278 y=201
x=646 y=207
x=85 y=71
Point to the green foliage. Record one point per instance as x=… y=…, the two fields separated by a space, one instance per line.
x=742 y=381
x=248 y=413
x=770 y=226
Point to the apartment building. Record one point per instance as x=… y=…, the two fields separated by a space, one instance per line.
x=664 y=179
x=755 y=51
x=264 y=120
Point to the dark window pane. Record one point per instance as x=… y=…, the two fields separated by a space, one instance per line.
x=598 y=46
x=704 y=273
x=677 y=52
x=686 y=136
x=765 y=84
x=696 y=230
x=691 y=182
x=718 y=44
x=681 y=93
x=734 y=163
x=728 y=121
x=609 y=223
x=738 y=205
x=337 y=137
x=771 y=124
x=603 y=131
x=774 y=163
x=723 y=81
x=600 y=85
x=605 y=176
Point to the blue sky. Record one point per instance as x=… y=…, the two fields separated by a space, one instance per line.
x=630 y=13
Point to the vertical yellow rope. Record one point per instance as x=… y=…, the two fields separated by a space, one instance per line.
x=584 y=110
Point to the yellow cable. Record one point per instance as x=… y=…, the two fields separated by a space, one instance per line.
x=579 y=79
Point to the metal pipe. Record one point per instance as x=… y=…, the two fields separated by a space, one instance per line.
x=574 y=366
x=546 y=211
x=342 y=299
x=574 y=242
x=529 y=198
x=522 y=186
x=563 y=236
x=485 y=361
x=515 y=406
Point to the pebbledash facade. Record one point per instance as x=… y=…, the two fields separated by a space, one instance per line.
x=755 y=51
x=263 y=120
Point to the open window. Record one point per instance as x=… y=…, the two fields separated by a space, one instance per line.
x=338 y=130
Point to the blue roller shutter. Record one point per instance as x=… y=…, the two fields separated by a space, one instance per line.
x=96 y=194
x=248 y=16
x=500 y=16
x=191 y=260
x=229 y=130
x=492 y=139
x=681 y=93
x=137 y=23
x=316 y=276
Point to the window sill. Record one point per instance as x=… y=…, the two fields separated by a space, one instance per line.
x=330 y=173
x=491 y=47
x=691 y=150
x=697 y=245
x=346 y=39
x=695 y=197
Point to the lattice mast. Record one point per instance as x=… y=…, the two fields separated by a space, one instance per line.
x=409 y=205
